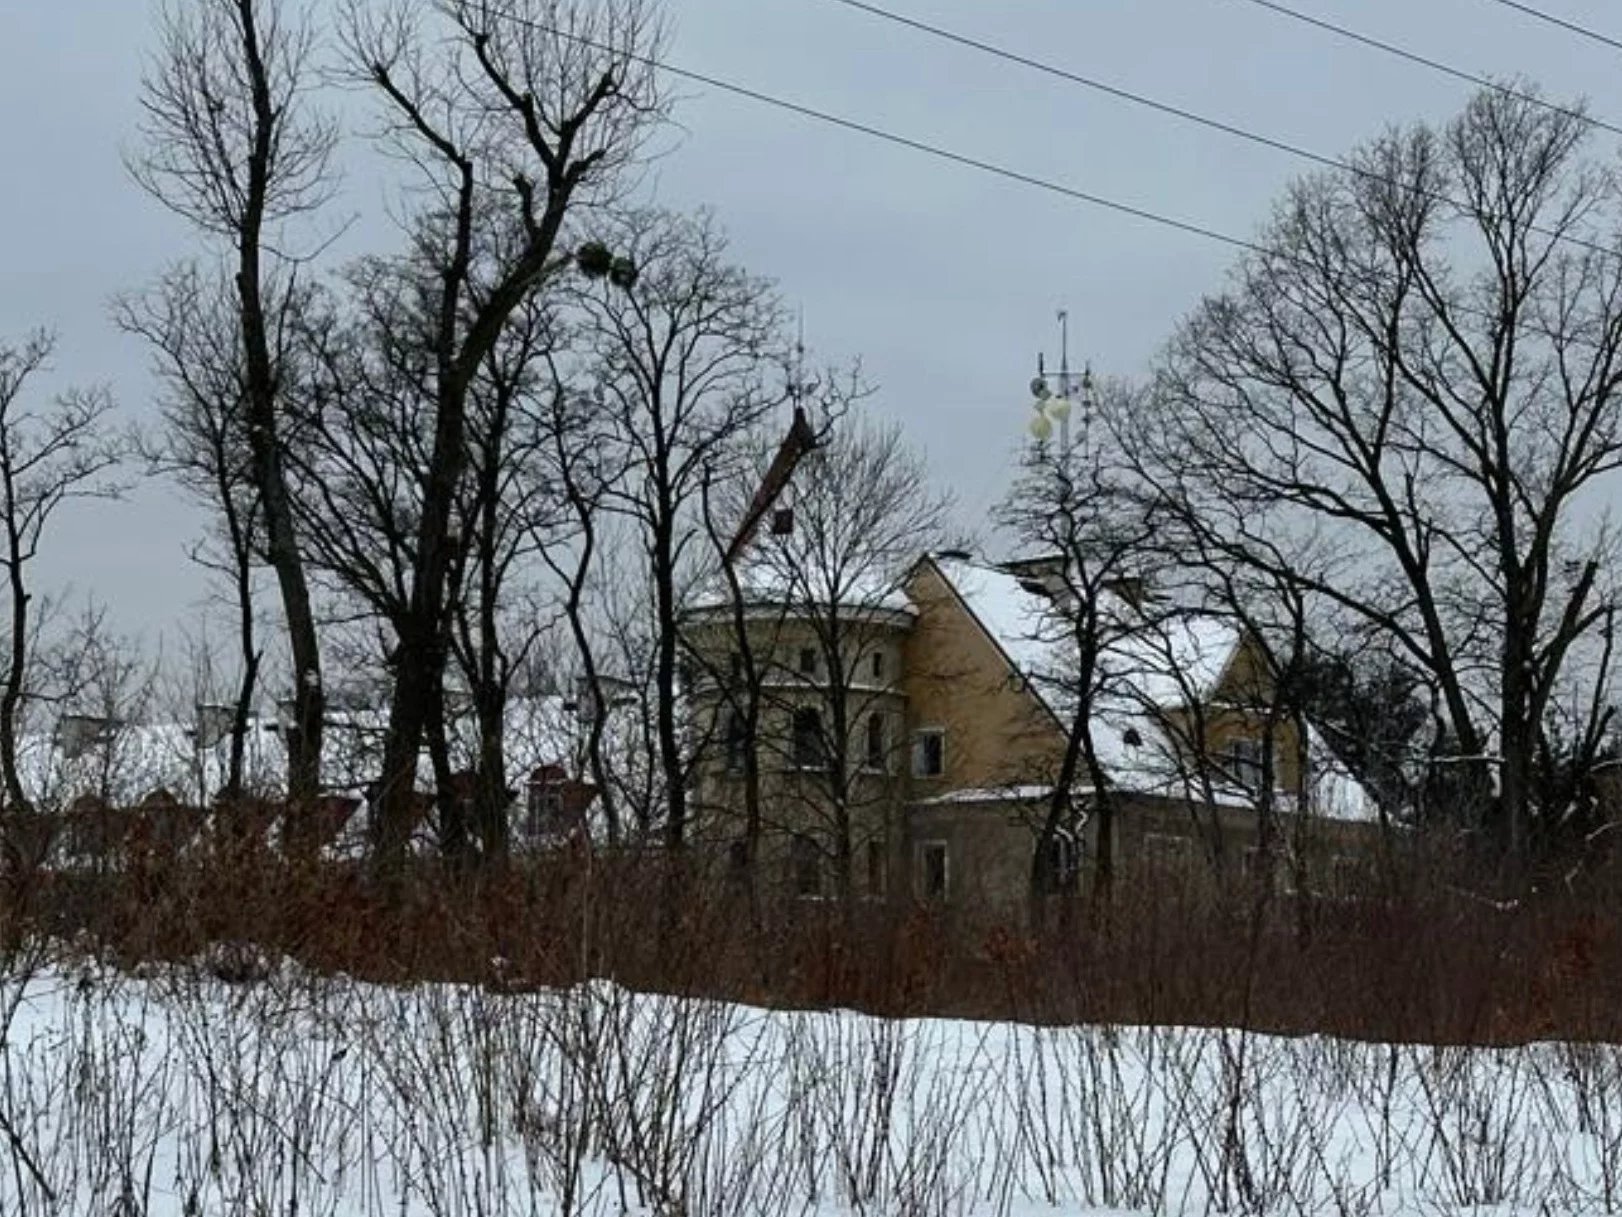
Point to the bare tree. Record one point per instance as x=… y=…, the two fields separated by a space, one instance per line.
x=191 y=323
x=1094 y=545
x=233 y=146
x=581 y=462
x=49 y=456
x=862 y=512
x=1401 y=404
x=496 y=621
x=514 y=114
x=685 y=363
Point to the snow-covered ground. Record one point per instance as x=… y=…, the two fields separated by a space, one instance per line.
x=174 y=1093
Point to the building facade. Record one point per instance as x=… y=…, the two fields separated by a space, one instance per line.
x=907 y=743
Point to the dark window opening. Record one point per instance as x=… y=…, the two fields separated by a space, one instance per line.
x=932 y=872
x=1243 y=758
x=876 y=869
x=878 y=665
x=808 y=660
x=805 y=867
x=809 y=747
x=875 y=753
x=737 y=741
x=929 y=754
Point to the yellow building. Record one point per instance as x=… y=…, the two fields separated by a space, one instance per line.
x=908 y=741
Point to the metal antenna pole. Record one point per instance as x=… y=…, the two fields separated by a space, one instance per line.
x=1064 y=380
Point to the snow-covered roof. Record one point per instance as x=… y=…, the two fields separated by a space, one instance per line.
x=128 y=761
x=1156 y=658
x=989 y=794
x=767 y=581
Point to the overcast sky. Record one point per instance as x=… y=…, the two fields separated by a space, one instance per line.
x=944 y=280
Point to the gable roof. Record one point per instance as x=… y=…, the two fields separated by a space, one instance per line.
x=1153 y=662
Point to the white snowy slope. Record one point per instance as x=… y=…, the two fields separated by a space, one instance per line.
x=175 y=1094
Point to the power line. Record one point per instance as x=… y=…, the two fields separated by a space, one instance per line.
x=904 y=141
x=1088 y=82
x=942 y=153
x=1181 y=113
x=1436 y=65
x=1564 y=23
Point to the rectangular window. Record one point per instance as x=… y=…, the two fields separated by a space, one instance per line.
x=876 y=869
x=805 y=867
x=735 y=667
x=929 y=753
x=878 y=665
x=933 y=875
x=1243 y=761
x=809 y=747
x=737 y=740
x=874 y=755
x=808 y=660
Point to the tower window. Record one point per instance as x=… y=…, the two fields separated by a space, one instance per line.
x=809 y=747
x=875 y=753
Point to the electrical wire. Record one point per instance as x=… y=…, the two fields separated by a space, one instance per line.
x=951 y=156
x=1389 y=48
x=1564 y=23
x=1178 y=112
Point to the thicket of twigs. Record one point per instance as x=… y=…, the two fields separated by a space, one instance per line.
x=198 y=1039
x=1411 y=954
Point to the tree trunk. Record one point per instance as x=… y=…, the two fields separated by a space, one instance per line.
x=490 y=773
x=16 y=674
x=671 y=761
x=265 y=444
